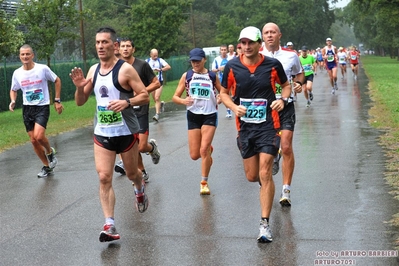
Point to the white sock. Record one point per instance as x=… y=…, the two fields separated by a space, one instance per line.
x=287 y=187
x=110 y=220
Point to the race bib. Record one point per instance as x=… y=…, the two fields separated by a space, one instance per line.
x=256 y=110
x=330 y=58
x=353 y=57
x=342 y=59
x=34 y=96
x=200 y=91
x=108 y=118
x=307 y=68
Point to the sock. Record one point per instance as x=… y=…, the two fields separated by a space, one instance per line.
x=139 y=191
x=204 y=179
x=265 y=219
x=287 y=187
x=143 y=171
x=110 y=220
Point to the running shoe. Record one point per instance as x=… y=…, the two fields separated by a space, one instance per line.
x=155 y=117
x=155 y=155
x=285 y=199
x=276 y=163
x=333 y=91
x=308 y=103
x=52 y=159
x=228 y=114
x=108 y=233
x=204 y=189
x=311 y=95
x=265 y=234
x=146 y=176
x=141 y=200
x=162 y=106
x=335 y=86
x=355 y=77
x=119 y=168
x=46 y=171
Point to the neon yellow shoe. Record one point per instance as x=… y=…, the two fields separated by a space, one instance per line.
x=204 y=188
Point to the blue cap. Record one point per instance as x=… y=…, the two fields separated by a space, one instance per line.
x=197 y=54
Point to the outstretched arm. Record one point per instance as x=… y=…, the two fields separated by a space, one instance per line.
x=84 y=87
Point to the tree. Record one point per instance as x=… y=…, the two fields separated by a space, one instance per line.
x=227 y=31
x=10 y=38
x=47 y=22
x=156 y=24
x=375 y=23
x=100 y=13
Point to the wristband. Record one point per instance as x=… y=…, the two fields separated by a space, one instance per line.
x=57 y=100
x=12 y=101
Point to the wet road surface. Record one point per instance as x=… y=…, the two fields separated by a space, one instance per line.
x=340 y=201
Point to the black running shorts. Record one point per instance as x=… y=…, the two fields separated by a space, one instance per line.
x=35 y=114
x=144 y=124
x=196 y=121
x=287 y=117
x=254 y=142
x=119 y=144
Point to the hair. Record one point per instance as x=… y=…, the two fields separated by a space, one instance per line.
x=26 y=46
x=109 y=30
x=126 y=39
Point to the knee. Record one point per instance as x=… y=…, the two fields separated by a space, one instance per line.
x=286 y=147
x=142 y=147
x=204 y=152
x=105 y=179
x=195 y=155
x=252 y=178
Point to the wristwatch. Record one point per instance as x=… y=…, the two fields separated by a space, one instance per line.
x=57 y=100
x=285 y=100
x=128 y=101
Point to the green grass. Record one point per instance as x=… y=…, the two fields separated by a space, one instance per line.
x=13 y=130
x=384 y=91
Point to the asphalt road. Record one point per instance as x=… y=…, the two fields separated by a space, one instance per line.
x=340 y=202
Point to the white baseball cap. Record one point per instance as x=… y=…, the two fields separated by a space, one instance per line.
x=328 y=39
x=251 y=33
x=289 y=43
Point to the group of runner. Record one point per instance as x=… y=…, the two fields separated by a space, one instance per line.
x=329 y=58
x=258 y=86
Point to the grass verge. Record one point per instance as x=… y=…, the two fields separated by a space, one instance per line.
x=384 y=115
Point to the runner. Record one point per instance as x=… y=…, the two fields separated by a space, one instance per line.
x=32 y=79
x=319 y=58
x=117 y=87
x=293 y=70
x=342 y=58
x=251 y=79
x=309 y=64
x=151 y=83
x=159 y=66
x=231 y=54
x=218 y=67
x=330 y=56
x=201 y=87
x=354 y=57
